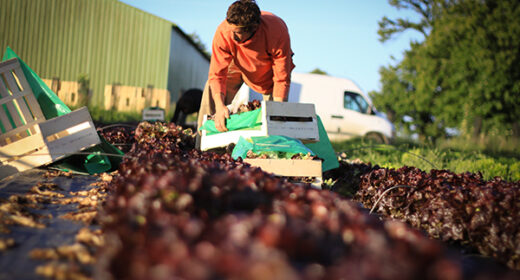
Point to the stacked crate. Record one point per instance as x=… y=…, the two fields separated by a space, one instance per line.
x=27 y=139
x=294 y=120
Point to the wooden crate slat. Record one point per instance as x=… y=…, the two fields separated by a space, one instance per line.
x=224 y=139
x=15 y=114
x=30 y=161
x=17 y=130
x=34 y=106
x=9 y=64
x=5 y=121
x=288 y=167
x=288 y=109
x=302 y=131
x=73 y=143
x=3 y=87
x=24 y=133
x=61 y=123
x=31 y=104
x=26 y=113
x=26 y=107
x=8 y=99
x=21 y=78
x=21 y=147
x=11 y=82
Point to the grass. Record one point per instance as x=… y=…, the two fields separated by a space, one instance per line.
x=101 y=115
x=456 y=155
x=111 y=116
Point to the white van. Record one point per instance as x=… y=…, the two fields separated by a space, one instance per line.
x=344 y=109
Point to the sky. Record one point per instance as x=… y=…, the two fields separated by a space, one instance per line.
x=336 y=36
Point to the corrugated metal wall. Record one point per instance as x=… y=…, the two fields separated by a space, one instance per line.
x=188 y=66
x=108 y=40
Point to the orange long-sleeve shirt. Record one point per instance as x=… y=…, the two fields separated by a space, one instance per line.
x=265 y=59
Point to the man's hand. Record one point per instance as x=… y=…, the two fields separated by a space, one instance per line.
x=221 y=114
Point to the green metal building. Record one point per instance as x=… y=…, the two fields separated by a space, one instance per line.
x=109 y=41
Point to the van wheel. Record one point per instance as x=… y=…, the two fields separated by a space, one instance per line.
x=375 y=137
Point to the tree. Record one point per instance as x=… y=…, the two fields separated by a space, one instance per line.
x=429 y=10
x=318 y=71
x=402 y=102
x=197 y=41
x=464 y=74
x=84 y=89
x=472 y=63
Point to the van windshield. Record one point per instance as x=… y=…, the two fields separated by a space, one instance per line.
x=354 y=101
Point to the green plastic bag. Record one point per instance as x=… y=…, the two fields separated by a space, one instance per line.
x=51 y=105
x=323 y=149
x=93 y=160
x=276 y=145
x=97 y=163
x=246 y=120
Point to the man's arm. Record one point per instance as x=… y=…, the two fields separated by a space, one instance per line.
x=282 y=67
x=218 y=68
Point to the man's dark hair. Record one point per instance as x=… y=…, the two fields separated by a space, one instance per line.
x=245 y=13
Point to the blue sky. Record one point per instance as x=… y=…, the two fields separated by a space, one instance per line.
x=339 y=37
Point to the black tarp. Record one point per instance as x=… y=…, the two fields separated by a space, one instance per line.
x=15 y=262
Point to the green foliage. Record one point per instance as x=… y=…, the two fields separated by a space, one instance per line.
x=198 y=42
x=427 y=157
x=496 y=145
x=464 y=75
x=389 y=27
x=471 y=54
x=84 y=88
x=318 y=71
x=101 y=115
x=402 y=101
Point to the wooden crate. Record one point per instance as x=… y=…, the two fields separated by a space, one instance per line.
x=290 y=167
x=296 y=120
x=28 y=140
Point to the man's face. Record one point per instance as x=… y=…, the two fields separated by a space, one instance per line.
x=242 y=34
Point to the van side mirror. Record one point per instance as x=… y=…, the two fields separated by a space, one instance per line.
x=372 y=110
